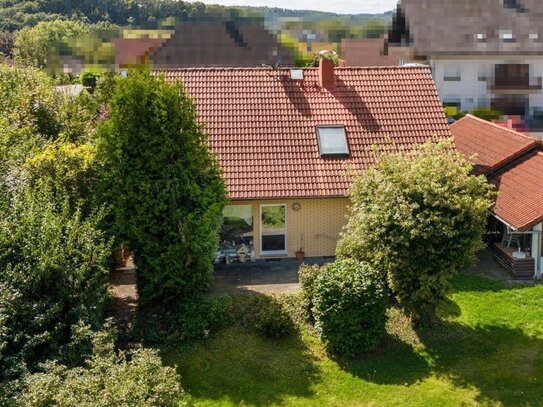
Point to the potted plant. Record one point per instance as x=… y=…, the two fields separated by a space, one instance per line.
x=300 y=254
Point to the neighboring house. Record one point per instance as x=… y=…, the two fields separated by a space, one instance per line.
x=220 y=44
x=130 y=52
x=368 y=52
x=512 y=162
x=483 y=53
x=70 y=64
x=286 y=139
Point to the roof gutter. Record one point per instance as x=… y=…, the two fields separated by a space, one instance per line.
x=509 y=226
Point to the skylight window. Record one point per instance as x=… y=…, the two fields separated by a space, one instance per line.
x=332 y=140
x=296 y=74
x=481 y=37
x=534 y=37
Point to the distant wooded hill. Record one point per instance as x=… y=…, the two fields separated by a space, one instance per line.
x=16 y=14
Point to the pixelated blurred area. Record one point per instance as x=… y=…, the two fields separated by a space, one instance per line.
x=172 y=34
x=486 y=56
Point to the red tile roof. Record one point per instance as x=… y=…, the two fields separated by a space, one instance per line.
x=262 y=124
x=492 y=144
x=133 y=51
x=520 y=191
x=366 y=52
x=512 y=161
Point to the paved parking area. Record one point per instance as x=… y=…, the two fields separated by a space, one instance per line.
x=279 y=276
x=266 y=277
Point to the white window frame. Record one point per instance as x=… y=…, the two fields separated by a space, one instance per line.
x=265 y=253
x=448 y=76
x=484 y=73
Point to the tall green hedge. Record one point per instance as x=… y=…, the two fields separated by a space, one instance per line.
x=164 y=186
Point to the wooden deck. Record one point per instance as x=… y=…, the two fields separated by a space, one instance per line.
x=522 y=269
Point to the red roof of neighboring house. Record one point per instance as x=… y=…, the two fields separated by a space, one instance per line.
x=263 y=123
x=492 y=144
x=366 y=52
x=520 y=191
x=134 y=51
x=512 y=161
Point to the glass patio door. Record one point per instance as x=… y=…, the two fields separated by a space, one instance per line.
x=273 y=230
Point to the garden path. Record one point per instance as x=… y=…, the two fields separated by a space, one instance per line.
x=125 y=297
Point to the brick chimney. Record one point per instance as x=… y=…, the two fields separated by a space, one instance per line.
x=326 y=73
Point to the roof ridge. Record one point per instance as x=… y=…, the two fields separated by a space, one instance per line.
x=499 y=127
x=266 y=68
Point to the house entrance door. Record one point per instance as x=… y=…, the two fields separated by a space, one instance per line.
x=273 y=230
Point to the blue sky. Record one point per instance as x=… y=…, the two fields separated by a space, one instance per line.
x=342 y=6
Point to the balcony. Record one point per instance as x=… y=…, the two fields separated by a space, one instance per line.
x=507 y=85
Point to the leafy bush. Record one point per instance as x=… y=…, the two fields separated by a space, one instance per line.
x=185 y=322
x=350 y=301
x=68 y=168
x=109 y=378
x=53 y=276
x=295 y=306
x=418 y=218
x=165 y=188
x=307 y=275
x=454 y=112
x=33 y=115
x=272 y=321
x=28 y=102
x=7 y=42
x=40 y=46
x=88 y=79
x=486 y=113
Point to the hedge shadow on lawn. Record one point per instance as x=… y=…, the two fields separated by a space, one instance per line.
x=448 y=308
x=465 y=281
x=247 y=369
x=504 y=364
x=394 y=362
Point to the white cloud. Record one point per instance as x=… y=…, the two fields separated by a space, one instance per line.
x=344 y=6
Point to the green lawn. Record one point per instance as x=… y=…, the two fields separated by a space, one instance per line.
x=486 y=350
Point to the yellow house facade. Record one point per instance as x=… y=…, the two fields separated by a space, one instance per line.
x=311 y=226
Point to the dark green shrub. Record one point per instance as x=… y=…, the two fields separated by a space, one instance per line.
x=272 y=320
x=53 y=276
x=295 y=306
x=307 y=275
x=108 y=378
x=486 y=113
x=88 y=79
x=164 y=186
x=350 y=301
x=185 y=322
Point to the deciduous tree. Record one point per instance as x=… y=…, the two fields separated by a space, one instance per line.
x=419 y=218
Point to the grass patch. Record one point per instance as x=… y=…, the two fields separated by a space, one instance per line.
x=486 y=349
